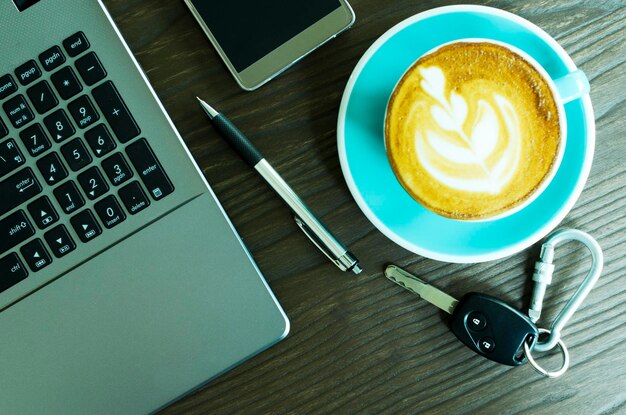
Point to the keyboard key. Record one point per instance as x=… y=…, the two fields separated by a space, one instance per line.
x=86 y=226
x=134 y=198
x=12 y=271
x=14 y=229
x=3 y=129
x=117 y=169
x=149 y=169
x=18 y=111
x=100 y=140
x=59 y=126
x=28 y=72
x=42 y=97
x=60 y=241
x=42 y=212
x=52 y=58
x=35 y=140
x=69 y=197
x=36 y=255
x=110 y=212
x=90 y=69
x=7 y=86
x=10 y=157
x=116 y=112
x=76 y=154
x=76 y=44
x=24 y=4
x=66 y=83
x=52 y=169
x=17 y=189
x=93 y=183
x=83 y=112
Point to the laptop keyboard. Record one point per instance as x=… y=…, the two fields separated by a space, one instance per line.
x=86 y=129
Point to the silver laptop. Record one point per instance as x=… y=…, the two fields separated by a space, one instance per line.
x=123 y=284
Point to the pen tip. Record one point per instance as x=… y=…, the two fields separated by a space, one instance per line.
x=207 y=108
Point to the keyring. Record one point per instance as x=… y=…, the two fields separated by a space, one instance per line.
x=541 y=370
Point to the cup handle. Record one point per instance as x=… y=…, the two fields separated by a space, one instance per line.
x=572 y=86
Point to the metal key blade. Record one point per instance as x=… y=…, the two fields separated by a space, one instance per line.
x=421 y=288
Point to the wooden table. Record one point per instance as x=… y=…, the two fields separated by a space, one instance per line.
x=361 y=344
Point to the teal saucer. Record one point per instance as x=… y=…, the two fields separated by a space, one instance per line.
x=368 y=173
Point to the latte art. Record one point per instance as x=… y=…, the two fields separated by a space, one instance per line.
x=489 y=149
x=472 y=130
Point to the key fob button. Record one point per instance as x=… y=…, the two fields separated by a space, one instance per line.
x=487 y=344
x=476 y=321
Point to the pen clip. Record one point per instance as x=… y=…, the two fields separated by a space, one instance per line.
x=307 y=231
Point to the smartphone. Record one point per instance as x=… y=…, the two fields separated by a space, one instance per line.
x=259 y=39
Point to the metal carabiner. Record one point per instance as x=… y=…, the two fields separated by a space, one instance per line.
x=543 y=277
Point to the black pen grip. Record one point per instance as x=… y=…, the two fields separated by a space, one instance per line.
x=237 y=140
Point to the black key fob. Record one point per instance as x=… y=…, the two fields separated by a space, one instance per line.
x=493 y=329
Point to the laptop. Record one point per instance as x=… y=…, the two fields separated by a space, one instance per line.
x=124 y=286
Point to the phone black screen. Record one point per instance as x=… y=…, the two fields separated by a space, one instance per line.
x=247 y=30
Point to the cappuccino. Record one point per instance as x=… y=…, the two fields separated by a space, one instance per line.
x=472 y=130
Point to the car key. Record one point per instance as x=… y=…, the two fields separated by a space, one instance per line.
x=485 y=324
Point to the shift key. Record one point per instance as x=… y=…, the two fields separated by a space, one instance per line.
x=17 y=189
x=14 y=229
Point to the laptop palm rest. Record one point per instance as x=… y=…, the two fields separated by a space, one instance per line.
x=120 y=335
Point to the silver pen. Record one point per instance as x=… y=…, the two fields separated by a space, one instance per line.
x=313 y=229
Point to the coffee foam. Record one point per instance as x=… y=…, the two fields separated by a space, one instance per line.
x=472 y=130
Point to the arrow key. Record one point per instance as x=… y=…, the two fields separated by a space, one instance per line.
x=100 y=140
x=86 y=226
x=42 y=212
x=52 y=169
x=93 y=183
x=36 y=255
x=60 y=241
x=59 y=126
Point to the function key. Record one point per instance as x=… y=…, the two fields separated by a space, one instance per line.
x=52 y=169
x=52 y=58
x=68 y=197
x=42 y=212
x=14 y=229
x=35 y=139
x=59 y=126
x=100 y=140
x=10 y=157
x=60 y=241
x=134 y=198
x=76 y=154
x=7 y=86
x=93 y=183
x=110 y=212
x=149 y=169
x=17 y=189
x=36 y=255
x=42 y=97
x=83 y=112
x=76 y=44
x=90 y=68
x=12 y=271
x=66 y=83
x=18 y=111
x=86 y=226
x=28 y=72
x=114 y=109
x=117 y=169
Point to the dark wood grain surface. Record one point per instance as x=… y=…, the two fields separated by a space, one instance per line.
x=361 y=344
